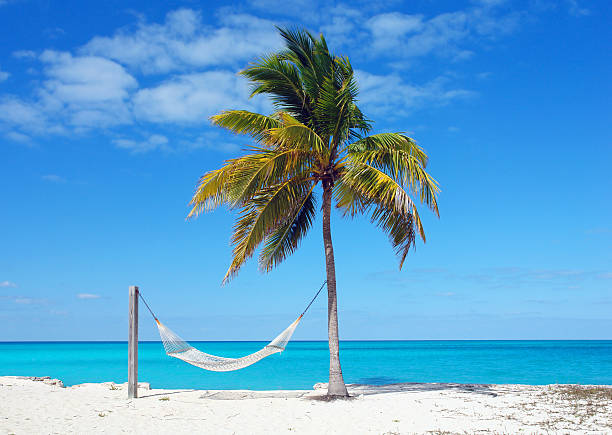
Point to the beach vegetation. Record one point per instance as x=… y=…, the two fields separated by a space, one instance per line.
x=317 y=144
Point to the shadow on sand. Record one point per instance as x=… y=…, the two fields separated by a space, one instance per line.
x=359 y=389
x=143 y=396
x=320 y=391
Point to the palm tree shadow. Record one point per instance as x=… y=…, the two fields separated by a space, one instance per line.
x=320 y=393
x=143 y=396
x=367 y=389
x=252 y=394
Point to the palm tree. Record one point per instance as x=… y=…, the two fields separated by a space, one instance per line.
x=317 y=136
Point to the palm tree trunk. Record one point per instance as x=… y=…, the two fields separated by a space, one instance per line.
x=336 y=385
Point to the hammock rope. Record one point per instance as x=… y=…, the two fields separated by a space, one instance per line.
x=176 y=347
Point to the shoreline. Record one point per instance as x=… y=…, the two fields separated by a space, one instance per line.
x=41 y=404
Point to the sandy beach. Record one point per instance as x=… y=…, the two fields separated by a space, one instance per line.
x=29 y=406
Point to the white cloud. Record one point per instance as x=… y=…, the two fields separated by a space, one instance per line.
x=191 y=98
x=576 y=10
x=87 y=296
x=3 y=75
x=396 y=34
x=391 y=95
x=16 y=136
x=95 y=86
x=24 y=54
x=342 y=25
x=77 y=92
x=28 y=301
x=214 y=140
x=7 y=284
x=388 y=28
x=184 y=42
x=53 y=178
x=153 y=142
x=91 y=90
x=489 y=2
x=23 y=114
x=308 y=9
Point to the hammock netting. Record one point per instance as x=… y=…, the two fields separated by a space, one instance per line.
x=176 y=347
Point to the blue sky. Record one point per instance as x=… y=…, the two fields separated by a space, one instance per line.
x=104 y=132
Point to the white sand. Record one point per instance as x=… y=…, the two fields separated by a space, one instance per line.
x=33 y=407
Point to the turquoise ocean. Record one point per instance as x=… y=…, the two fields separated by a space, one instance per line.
x=305 y=363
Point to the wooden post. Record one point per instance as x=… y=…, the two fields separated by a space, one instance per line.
x=133 y=345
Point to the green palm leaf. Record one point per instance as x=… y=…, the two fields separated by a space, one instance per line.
x=245 y=122
x=262 y=216
x=284 y=240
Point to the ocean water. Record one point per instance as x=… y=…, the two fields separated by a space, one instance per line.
x=305 y=363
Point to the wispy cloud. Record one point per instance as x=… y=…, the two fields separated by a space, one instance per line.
x=3 y=75
x=77 y=93
x=24 y=54
x=396 y=34
x=599 y=231
x=8 y=284
x=497 y=277
x=214 y=140
x=153 y=142
x=53 y=178
x=87 y=296
x=179 y=71
x=191 y=98
x=22 y=114
x=15 y=136
x=576 y=10
x=183 y=42
x=390 y=94
x=546 y=301
x=517 y=277
x=25 y=300
x=95 y=87
x=91 y=91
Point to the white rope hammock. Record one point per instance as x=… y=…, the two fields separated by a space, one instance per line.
x=176 y=347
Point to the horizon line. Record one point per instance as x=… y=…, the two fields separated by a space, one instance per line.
x=311 y=341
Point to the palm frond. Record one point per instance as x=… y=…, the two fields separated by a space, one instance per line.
x=400 y=156
x=265 y=212
x=263 y=168
x=364 y=187
x=311 y=57
x=295 y=135
x=281 y=81
x=284 y=240
x=211 y=190
x=245 y=122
